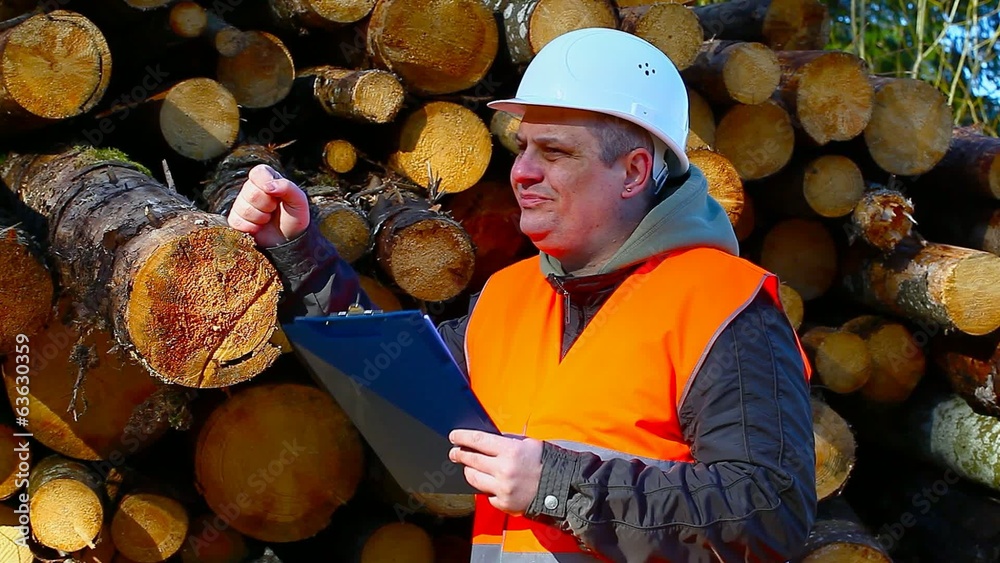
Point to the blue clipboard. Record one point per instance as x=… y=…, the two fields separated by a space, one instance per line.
x=394 y=377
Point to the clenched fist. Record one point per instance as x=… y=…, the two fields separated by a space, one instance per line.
x=272 y=209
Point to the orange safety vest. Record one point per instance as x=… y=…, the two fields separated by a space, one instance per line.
x=617 y=391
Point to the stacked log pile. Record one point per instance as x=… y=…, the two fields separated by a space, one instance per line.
x=148 y=380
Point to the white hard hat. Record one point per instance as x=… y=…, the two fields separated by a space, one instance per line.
x=616 y=73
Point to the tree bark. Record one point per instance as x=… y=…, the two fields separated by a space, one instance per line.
x=948 y=286
x=434 y=125
x=839 y=535
x=802 y=253
x=241 y=441
x=724 y=183
x=758 y=139
x=373 y=96
x=972 y=366
x=971 y=166
x=910 y=128
x=530 y=24
x=779 y=24
x=231 y=173
x=827 y=93
x=734 y=72
x=898 y=362
x=435 y=47
x=148 y=527
x=26 y=302
x=65 y=506
x=883 y=218
x=60 y=52
x=426 y=253
x=671 y=28
x=840 y=359
x=129 y=251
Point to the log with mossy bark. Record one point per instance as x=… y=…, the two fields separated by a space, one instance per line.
x=426 y=253
x=971 y=166
x=529 y=25
x=296 y=427
x=373 y=96
x=66 y=503
x=972 y=365
x=827 y=93
x=897 y=360
x=803 y=254
x=26 y=301
x=54 y=66
x=950 y=287
x=434 y=47
x=779 y=24
x=418 y=152
x=759 y=139
x=187 y=296
x=734 y=72
x=882 y=218
x=671 y=28
x=911 y=126
x=840 y=535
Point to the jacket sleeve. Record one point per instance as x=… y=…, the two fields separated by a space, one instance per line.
x=317 y=282
x=749 y=495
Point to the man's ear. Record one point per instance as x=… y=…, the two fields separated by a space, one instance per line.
x=638 y=172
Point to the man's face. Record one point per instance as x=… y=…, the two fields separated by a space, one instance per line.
x=566 y=193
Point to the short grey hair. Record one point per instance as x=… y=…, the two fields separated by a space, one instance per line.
x=617 y=137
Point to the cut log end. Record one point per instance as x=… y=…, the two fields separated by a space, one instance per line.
x=747 y=222
x=803 y=254
x=398 y=541
x=259 y=75
x=971 y=297
x=269 y=424
x=340 y=156
x=758 y=139
x=147 y=4
x=55 y=65
x=345 y=226
x=841 y=359
x=443 y=124
x=207 y=542
x=897 y=362
x=552 y=18
x=230 y=41
x=14 y=546
x=65 y=507
x=796 y=25
x=211 y=286
x=911 y=126
x=188 y=19
x=834 y=98
x=833 y=185
x=26 y=302
x=200 y=119
x=883 y=218
x=751 y=73
x=792 y=303
x=432 y=259
x=838 y=552
x=148 y=528
x=702 y=117
x=835 y=450
x=672 y=28
x=724 y=183
x=341 y=11
x=435 y=47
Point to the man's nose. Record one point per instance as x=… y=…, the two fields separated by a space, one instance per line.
x=526 y=170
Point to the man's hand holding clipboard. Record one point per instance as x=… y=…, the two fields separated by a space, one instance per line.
x=506 y=469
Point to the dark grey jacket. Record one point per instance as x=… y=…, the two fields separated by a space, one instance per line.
x=750 y=495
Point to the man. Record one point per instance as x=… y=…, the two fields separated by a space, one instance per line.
x=652 y=394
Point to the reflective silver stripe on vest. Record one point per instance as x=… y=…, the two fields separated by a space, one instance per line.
x=485 y=553
x=607 y=453
x=547 y=558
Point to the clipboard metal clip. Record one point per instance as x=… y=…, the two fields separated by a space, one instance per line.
x=356 y=309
